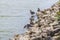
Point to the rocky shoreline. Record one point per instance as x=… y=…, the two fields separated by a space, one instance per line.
x=45 y=27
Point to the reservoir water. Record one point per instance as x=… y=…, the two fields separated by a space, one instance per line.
x=14 y=14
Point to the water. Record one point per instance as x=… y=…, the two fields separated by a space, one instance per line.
x=14 y=14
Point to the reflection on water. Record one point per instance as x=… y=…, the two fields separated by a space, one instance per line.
x=14 y=14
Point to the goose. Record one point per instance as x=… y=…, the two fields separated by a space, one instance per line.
x=38 y=10
x=32 y=12
x=28 y=26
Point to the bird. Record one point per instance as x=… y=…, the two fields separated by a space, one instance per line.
x=38 y=10
x=32 y=18
x=28 y=26
x=32 y=12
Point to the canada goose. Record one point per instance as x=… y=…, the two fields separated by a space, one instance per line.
x=38 y=10
x=32 y=12
x=27 y=26
x=32 y=18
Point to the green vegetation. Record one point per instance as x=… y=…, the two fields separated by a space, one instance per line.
x=58 y=15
